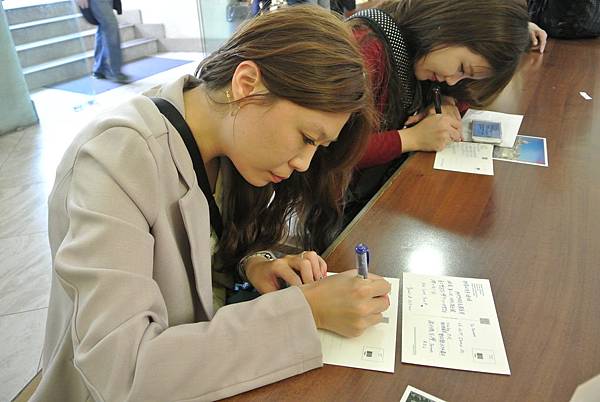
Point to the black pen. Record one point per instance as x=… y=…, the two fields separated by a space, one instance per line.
x=437 y=98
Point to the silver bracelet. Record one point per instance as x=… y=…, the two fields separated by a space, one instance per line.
x=241 y=268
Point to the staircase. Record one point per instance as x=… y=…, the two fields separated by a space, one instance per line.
x=54 y=43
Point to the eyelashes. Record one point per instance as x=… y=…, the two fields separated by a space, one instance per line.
x=308 y=140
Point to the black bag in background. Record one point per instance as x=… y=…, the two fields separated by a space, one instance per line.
x=567 y=19
x=342 y=6
x=89 y=16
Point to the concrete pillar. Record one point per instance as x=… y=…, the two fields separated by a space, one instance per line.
x=16 y=107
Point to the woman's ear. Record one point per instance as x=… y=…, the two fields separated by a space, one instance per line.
x=246 y=80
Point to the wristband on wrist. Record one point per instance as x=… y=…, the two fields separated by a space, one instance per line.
x=241 y=268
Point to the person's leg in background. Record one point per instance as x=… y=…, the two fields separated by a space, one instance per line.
x=101 y=67
x=255 y=7
x=109 y=59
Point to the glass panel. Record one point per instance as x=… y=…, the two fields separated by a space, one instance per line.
x=220 y=18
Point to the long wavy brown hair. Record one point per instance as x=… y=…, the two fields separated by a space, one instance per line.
x=495 y=29
x=306 y=55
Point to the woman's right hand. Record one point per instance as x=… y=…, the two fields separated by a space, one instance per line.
x=432 y=133
x=346 y=303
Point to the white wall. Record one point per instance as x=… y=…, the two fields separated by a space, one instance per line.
x=180 y=17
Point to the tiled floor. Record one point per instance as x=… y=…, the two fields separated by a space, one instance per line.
x=28 y=159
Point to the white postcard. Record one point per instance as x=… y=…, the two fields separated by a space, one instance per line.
x=468 y=157
x=588 y=391
x=411 y=394
x=375 y=349
x=510 y=124
x=451 y=322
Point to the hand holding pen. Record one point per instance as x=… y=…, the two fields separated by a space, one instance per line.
x=346 y=304
x=434 y=128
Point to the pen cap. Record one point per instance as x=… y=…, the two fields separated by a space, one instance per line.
x=362 y=255
x=361 y=248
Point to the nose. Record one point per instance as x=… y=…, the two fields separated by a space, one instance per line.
x=301 y=161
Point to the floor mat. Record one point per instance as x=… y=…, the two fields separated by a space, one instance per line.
x=136 y=70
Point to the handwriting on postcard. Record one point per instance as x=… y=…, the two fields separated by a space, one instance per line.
x=451 y=322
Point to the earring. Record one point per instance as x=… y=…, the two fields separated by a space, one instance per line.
x=233 y=106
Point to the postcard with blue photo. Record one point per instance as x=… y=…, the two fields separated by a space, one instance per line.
x=527 y=149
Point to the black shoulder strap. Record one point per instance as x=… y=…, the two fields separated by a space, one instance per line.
x=387 y=29
x=173 y=115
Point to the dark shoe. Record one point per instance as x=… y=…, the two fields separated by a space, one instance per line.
x=120 y=78
x=99 y=75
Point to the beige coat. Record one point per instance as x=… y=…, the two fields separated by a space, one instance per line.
x=128 y=226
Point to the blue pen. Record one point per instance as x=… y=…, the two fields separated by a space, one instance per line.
x=362 y=259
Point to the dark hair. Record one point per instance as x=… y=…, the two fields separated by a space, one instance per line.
x=306 y=55
x=497 y=30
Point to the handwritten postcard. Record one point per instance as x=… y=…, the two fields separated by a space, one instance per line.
x=467 y=157
x=451 y=322
x=375 y=349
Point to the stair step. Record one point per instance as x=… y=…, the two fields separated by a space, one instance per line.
x=48 y=28
x=75 y=66
x=34 y=23
x=24 y=14
x=81 y=56
x=65 y=45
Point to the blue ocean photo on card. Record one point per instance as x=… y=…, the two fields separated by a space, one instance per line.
x=527 y=149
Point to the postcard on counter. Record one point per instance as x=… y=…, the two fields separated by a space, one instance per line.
x=451 y=322
x=510 y=124
x=467 y=157
x=375 y=349
x=411 y=394
x=588 y=391
x=527 y=149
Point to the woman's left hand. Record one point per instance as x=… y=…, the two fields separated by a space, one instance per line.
x=538 y=37
x=294 y=270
